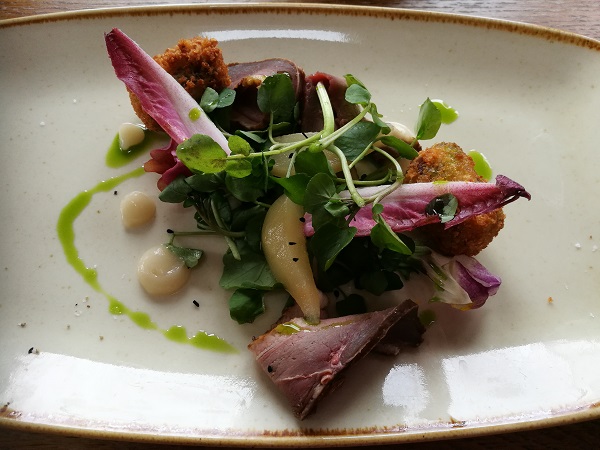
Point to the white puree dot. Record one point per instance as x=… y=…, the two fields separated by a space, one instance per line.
x=161 y=272
x=130 y=135
x=137 y=209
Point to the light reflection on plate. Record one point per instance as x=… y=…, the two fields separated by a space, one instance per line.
x=535 y=379
x=59 y=388
x=305 y=34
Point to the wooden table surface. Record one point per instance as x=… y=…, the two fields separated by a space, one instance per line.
x=577 y=16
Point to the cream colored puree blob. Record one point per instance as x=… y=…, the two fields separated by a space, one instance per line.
x=130 y=135
x=161 y=272
x=137 y=210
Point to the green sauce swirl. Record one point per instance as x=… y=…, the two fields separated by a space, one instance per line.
x=66 y=234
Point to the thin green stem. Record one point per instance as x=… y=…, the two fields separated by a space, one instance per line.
x=392 y=187
x=368 y=182
x=291 y=164
x=384 y=192
x=208 y=232
x=393 y=160
x=347 y=176
x=277 y=149
x=327 y=108
x=216 y=215
x=351 y=216
x=233 y=247
x=175 y=234
x=362 y=155
x=210 y=227
x=271 y=138
x=230 y=242
x=263 y=204
x=330 y=139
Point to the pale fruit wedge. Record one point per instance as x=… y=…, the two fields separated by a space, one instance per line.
x=284 y=246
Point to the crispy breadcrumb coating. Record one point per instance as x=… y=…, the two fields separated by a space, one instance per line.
x=447 y=162
x=442 y=162
x=196 y=64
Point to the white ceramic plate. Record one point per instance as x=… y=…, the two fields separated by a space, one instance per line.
x=529 y=100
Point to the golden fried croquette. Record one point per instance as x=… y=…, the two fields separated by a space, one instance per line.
x=196 y=64
x=466 y=238
x=442 y=162
x=447 y=162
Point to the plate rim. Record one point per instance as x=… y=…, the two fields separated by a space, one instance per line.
x=313 y=438
x=322 y=8
x=441 y=432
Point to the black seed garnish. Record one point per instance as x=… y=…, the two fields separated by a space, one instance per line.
x=291 y=243
x=30 y=350
x=295 y=259
x=115 y=193
x=290 y=155
x=170 y=231
x=269 y=369
x=196 y=304
x=302 y=219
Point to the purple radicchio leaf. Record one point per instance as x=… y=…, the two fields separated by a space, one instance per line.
x=406 y=208
x=160 y=95
x=164 y=161
x=460 y=281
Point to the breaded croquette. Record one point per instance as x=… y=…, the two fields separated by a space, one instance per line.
x=447 y=162
x=441 y=162
x=196 y=64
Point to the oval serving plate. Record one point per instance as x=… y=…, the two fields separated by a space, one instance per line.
x=528 y=99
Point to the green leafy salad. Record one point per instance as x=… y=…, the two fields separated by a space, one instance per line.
x=231 y=194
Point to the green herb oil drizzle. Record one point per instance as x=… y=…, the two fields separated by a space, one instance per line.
x=482 y=166
x=117 y=157
x=448 y=113
x=66 y=235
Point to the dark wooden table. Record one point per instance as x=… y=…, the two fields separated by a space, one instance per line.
x=577 y=16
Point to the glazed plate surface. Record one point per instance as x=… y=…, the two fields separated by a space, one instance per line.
x=528 y=99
